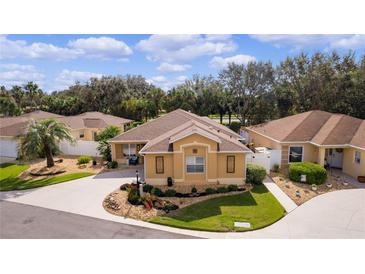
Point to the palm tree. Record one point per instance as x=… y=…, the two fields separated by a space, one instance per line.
x=43 y=137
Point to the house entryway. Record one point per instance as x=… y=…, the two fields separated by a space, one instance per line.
x=334 y=157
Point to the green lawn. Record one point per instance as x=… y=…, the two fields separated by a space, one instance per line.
x=9 y=180
x=258 y=207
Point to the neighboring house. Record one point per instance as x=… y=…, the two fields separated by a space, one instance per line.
x=315 y=136
x=84 y=128
x=186 y=147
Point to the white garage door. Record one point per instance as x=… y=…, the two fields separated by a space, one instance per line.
x=8 y=148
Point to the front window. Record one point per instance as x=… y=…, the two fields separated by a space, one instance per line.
x=295 y=154
x=195 y=164
x=82 y=134
x=357 y=157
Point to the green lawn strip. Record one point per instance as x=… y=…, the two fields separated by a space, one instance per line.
x=258 y=207
x=9 y=180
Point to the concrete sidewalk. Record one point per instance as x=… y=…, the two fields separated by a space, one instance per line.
x=280 y=195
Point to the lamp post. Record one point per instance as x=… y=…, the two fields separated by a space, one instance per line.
x=137 y=178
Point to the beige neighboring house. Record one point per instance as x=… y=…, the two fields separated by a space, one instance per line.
x=84 y=128
x=315 y=136
x=186 y=147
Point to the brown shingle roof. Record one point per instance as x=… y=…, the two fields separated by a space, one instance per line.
x=158 y=133
x=319 y=127
x=225 y=142
x=155 y=128
x=14 y=126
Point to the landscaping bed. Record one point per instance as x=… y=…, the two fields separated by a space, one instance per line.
x=63 y=164
x=117 y=202
x=305 y=191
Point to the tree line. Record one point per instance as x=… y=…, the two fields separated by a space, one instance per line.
x=254 y=93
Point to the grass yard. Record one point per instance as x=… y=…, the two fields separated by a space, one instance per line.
x=258 y=207
x=9 y=180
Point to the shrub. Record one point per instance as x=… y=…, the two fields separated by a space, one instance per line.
x=112 y=164
x=125 y=186
x=147 y=188
x=276 y=168
x=255 y=174
x=169 y=207
x=315 y=173
x=147 y=201
x=232 y=187
x=133 y=197
x=170 y=193
x=235 y=126
x=82 y=160
x=194 y=190
x=222 y=189
x=157 y=192
x=94 y=162
x=210 y=191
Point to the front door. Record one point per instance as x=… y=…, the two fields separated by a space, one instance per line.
x=335 y=156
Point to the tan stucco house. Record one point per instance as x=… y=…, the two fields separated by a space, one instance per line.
x=84 y=128
x=186 y=147
x=316 y=136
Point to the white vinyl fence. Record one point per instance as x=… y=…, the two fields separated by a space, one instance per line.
x=265 y=159
x=8 y=147
x=80 y=148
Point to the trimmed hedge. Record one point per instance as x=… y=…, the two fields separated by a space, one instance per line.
x=316 y=174
x=255 y=174
x=82 y=160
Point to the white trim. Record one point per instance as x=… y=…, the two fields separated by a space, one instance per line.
x=289 y=154
x=200 y=132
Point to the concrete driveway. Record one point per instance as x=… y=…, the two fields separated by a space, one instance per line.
x=338 y=214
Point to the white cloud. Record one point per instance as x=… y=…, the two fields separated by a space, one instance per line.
x=240 y=59
x=157 y=79
x=177 y=48
x=15 y=74
x=315 y=40
x=102 y=48
x=167 y=67
x=181 y=78
x=353 y=42
x=69 y=77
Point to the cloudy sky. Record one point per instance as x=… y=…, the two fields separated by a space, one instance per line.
x=57 y=61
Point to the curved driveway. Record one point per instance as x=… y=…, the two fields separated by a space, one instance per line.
x=338 y=214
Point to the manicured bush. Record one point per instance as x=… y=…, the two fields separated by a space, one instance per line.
x=157 y=192
x=170 y=193
x=255 y=174
x=222 y=189
x=133 y=197
x=125 y=186
x=194 y=190
x=82 y=160
x=315 y=173
x=112 y=164
x=169 y=207
x=276 y=168
x=147 y=188
x=235 y=126
x=232 y=187
x=210 y=191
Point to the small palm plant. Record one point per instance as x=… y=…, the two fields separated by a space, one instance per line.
x=43 y=137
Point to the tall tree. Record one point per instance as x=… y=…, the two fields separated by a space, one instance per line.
x=44 y=137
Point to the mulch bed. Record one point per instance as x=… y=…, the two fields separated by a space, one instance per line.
x=117 y=202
